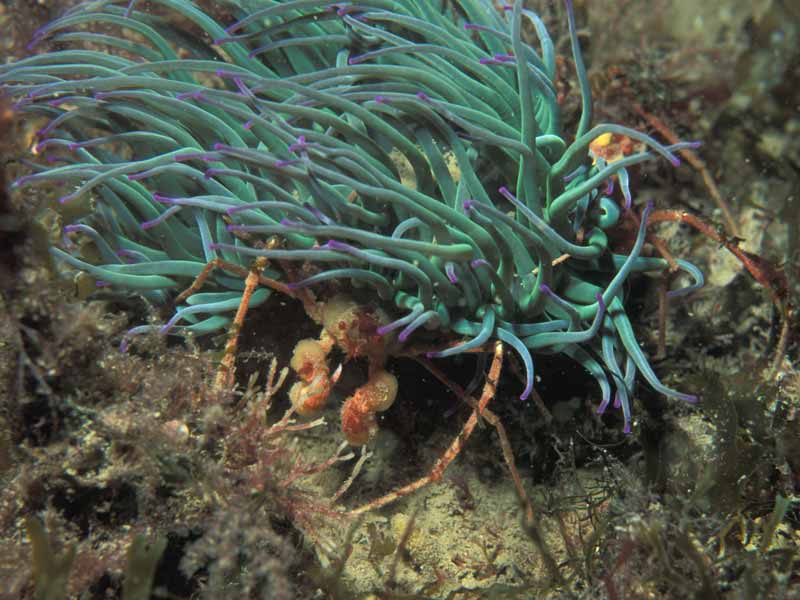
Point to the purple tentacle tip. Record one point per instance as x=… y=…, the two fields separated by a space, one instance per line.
x=450 y=269
x=627 y=428
x=504 y=57
x=286 y=163
x=545 y=289
x=299 y=145
x=423 y=96
x=193 y=95
x=601 y=305
x=381 y=99
x=123 y=253
x=214 y=246
x=24 y=180
x=479 y=262
x=243 y=89
x=528 y=389
x=469 y=204
x=41 y=31
x=336 y=245
x=317 y=213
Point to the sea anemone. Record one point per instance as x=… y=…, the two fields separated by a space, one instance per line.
x=409 y=154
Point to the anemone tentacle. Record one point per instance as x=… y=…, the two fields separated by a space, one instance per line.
x=391 y=147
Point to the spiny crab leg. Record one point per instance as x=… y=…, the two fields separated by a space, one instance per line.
x=242 y=272
x=227 y=367
x=435 y=474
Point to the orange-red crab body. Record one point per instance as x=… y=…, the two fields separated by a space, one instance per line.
x=358 y=411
